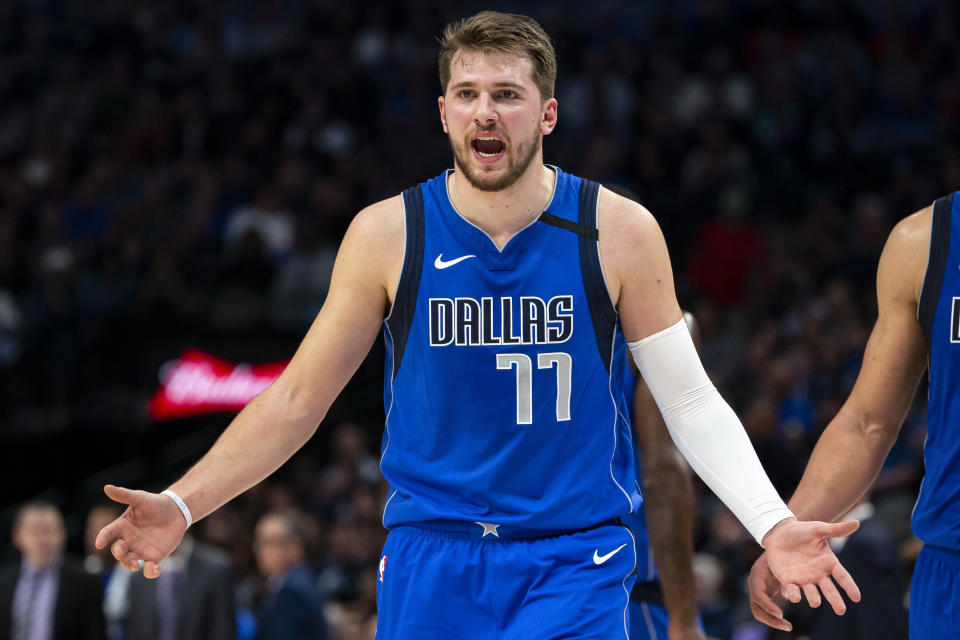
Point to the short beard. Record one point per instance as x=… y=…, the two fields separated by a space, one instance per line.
x=516 y=165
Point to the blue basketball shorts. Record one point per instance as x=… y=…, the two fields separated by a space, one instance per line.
x=487 y=582
x=935 y=595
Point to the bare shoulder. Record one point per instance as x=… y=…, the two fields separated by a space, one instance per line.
x=904 y=260
x=636 y=265
x=912 y=234
x=619 y=215
x=373 y=246
x=381 y=222
x=628 y=235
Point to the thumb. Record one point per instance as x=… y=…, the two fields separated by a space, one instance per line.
x=840 y=529
x=119 y=494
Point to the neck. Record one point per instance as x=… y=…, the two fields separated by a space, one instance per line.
x=40 y=563
x=503 y=213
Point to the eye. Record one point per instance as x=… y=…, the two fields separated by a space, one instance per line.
x=508 y=94
x=466 y=93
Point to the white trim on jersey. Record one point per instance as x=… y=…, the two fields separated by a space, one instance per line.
x=626 y=607
x=553 y=194
x=616 y=419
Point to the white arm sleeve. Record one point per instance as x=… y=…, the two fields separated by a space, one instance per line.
x=706 y=430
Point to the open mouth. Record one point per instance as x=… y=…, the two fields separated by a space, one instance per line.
x=488 y=146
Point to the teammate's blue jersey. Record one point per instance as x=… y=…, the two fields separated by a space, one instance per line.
x=502 y=405
x=936 y=517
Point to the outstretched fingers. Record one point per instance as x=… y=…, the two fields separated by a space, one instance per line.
x=762 y=599
x=761 y=615
x=833 y=596
x=119 y=494
x=765 y=610
x=791 y=592
x=151 y=569
x=839 y=529
x=845 y=580
x=107 y=534
x=126 y=558
x=812 y=594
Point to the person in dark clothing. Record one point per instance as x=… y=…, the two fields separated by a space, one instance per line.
x=291 y=607
x=47 y=596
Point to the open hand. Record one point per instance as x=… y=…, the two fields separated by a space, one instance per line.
x=149 y=530
x=800 y=559
x=763 y=588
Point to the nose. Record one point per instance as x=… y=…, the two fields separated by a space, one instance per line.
x=486 y=112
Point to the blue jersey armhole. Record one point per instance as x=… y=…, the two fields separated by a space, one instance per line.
x=936 y=265
x=602 y=313
x=405 y=303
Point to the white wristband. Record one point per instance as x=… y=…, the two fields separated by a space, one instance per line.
x=183 y=506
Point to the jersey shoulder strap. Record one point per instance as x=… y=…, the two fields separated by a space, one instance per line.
x=405 y=301
x=936 y=264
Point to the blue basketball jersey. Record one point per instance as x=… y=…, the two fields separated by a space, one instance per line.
x=936 y=517
x=502 y=405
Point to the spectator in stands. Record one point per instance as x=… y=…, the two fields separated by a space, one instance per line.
x=291 y=607
x=193 y=601
x=113 y=577
x=47 y=595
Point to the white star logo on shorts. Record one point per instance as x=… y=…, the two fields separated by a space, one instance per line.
x=488 y=528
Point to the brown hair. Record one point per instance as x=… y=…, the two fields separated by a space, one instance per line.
x=493 y=32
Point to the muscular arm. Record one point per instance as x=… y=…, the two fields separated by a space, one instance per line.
x=848 y=456
x=668 y=503
x=284 y=416
x=851 y=450
x=701 y=423
x=704 y=428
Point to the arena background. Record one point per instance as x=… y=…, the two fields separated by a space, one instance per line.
x=178 y=175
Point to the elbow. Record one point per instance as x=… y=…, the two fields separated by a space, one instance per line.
x=872 y=429
x=292 y=404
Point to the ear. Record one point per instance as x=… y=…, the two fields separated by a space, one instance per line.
x=548 y=116
x=443 y=114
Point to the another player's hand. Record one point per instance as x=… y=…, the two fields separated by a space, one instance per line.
x=763 y=587
x=801 y=560
x=150 y=528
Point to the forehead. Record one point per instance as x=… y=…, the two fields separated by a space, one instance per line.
x=478 y=67
x=271 y=526
x=40 y=518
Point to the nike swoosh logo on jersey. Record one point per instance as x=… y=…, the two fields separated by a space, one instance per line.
x=440 y=263
x=598 y=559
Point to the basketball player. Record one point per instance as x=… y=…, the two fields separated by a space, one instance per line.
x=499 y=286
x=663 y=603
x=918 y=327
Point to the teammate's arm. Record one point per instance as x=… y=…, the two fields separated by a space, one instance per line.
x=705 y=429
x=668 y=503
x=849 y=454
x=284 y=416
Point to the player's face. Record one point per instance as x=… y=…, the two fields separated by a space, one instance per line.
x=495 y=117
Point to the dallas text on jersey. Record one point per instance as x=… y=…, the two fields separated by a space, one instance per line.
x=528 y=320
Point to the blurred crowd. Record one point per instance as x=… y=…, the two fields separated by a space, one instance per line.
x=179 y=174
